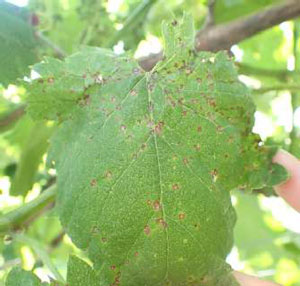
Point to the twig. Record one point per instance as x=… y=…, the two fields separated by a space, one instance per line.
x=57 y=240
x=132 y=20
x=20 y=217
x=8 y=121
x=295 y=97
x=59 y=52
x=210 y=18
x=41 y=253
x=222 y=37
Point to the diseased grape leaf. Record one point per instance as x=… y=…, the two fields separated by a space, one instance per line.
x=17 y=43
x=145 y=161
x=80 y=273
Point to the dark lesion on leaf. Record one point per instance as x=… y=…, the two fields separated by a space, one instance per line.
x=197 y=226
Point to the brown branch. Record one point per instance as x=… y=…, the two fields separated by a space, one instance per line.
x=57 y=240
x=11 y=118
x=58 y=51
x=210 y=18
x=223 y=36
x=20 y=217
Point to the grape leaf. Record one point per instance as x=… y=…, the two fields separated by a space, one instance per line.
x=80 y=273
x=145 y=161
x=17 y=48
x=17 y=277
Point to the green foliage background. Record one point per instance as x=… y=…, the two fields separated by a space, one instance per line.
x=263 y=245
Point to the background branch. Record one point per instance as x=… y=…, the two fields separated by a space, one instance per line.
x=20 y=217
x=223 y=36
x=210 y=19
x=58 y=51
x=10 y=119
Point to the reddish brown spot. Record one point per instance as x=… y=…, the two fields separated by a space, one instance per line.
x=147 y=230
x=133 y=92
x=199 y=80
x=108 y=174
x=171 y=101
x=136 y=254
x=175 y=187
x=104 y=239
x=85 y=100
x=199 y=129
x=50 y=80
x=197 y=147
x=205 y=279
x=113 y=267
x=93 y=182
x=180 y=100
x=98 y=78
x=209 y=76
x=181 y=216
x=188 y=71
x=162 y=222
x=214 y=173
x=35 y=20
x=95 y=229
x=220 y=128
x=230 y=139
x=144 y=146
x=185 y=161
x=84 y=76
x=184 y=113
x=212 y=102
x=156 y=205
x=158 y=128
